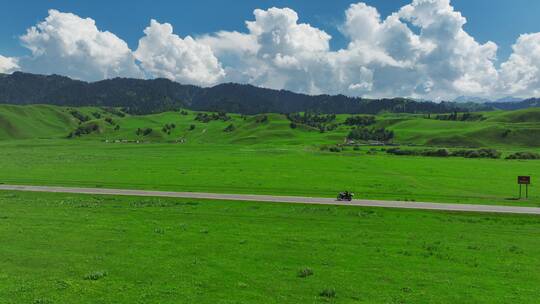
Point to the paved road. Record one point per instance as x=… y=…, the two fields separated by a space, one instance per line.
x=281 y=199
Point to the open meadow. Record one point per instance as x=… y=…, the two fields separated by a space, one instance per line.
x=264 y=155
x=60 y=248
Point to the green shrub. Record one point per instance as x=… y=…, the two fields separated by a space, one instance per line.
x=84 y=129
x=144 y=132
x=366 y=134
x=335 y=149
x=80 y=116
x=360 y=121
x=328 y=293
x=524 y=155
x=306 y=272
x=436 y=153
x=481 y=153
x=96 y=275
x=229 y=128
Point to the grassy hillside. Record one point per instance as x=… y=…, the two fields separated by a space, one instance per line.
x=64 y=248
x=496 y=129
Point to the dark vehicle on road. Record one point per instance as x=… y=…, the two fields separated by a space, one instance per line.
x=345 y=196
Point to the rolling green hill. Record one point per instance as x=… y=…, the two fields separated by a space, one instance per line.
x=495 y=129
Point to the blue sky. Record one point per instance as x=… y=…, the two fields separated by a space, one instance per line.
x=501 y=21
x=428 y=52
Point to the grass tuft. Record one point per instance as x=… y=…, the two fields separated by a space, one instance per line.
x=96 y=275
x=306 y=272
x=328 y=293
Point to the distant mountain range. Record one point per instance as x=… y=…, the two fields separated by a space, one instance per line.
x=139 y=96
x=473 y=99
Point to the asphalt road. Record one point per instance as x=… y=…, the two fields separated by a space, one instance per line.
x=281 y=199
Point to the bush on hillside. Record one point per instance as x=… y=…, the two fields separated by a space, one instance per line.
x=84 y=129
x=313 y=120
x=481 y=153
x=167 y=128
x=524 y=155
x=192 y=127
x=79 y=116
x=335 y=149
x=229 y=128
x=205 y=117
x=360 y=121
x=109 y=121
x=455 y=116
x=366 y=134
x=144 y=132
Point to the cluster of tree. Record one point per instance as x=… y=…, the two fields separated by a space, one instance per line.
x=109 y=121
x=144 y=131
x=365 y=134
x=229 y=128
x=79 y=116
x=84 y=129
x=323 y=122
x=184 y=112
x=205 y=117
x=524 y=155
x=455 y=116
x=96 y=115
x=480 y=153
x=360 y=121
x=334 y=148
x=167 y=128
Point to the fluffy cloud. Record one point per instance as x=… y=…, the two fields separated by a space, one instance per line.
x=383 y=58
x=277 y=52
x=8 y=64
x=520 y=75
x=421 y=50
x=66 y=44
x=164 y=54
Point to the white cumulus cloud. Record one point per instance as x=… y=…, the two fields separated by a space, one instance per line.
x=420 y=50
x=164 y=54
x=67 y=44
x=8 y=64
x=520 y=75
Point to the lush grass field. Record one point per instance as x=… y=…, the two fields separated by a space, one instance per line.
x=266 y=158
x=59 y=248
x=266 y=170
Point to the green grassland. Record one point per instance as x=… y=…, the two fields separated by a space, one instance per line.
x=60 y=248
x=265 y=158
x=506 y=130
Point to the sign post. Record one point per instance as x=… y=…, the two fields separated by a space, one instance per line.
x=524 y=180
